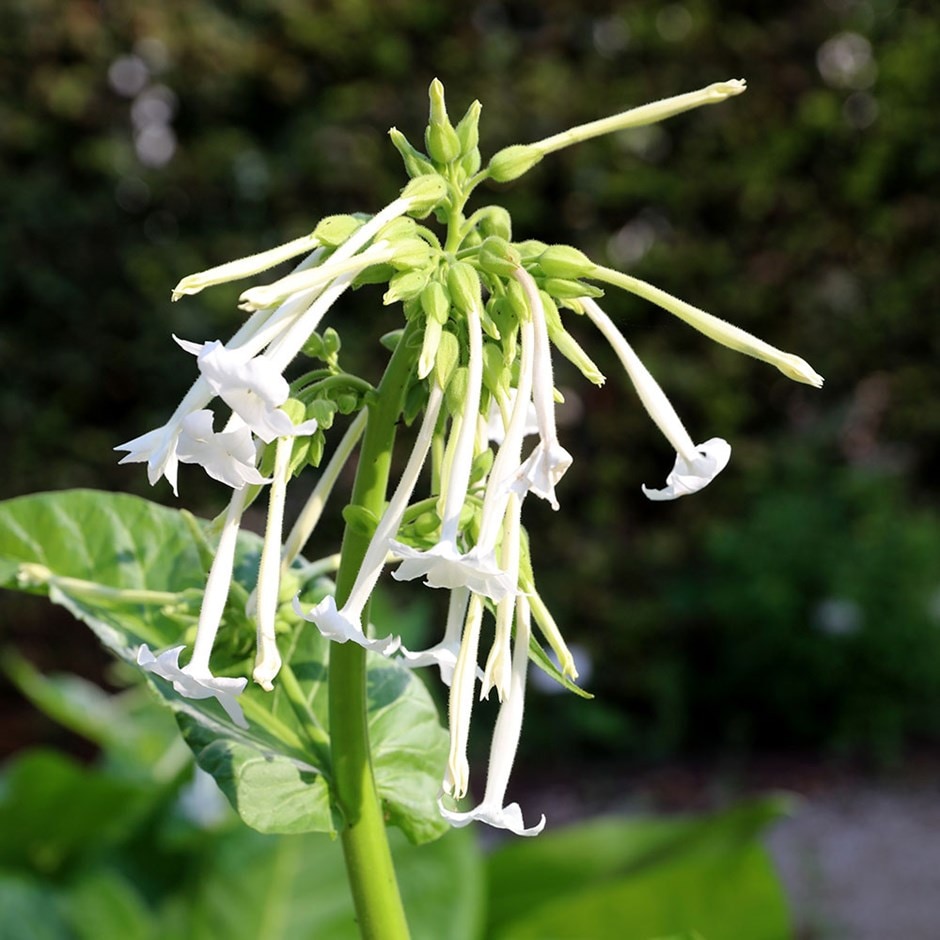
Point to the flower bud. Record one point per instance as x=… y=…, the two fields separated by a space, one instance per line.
x=498 y=257
x=495 y=220
x=565 y=262
x=416 y=163
x=511 y=162
x=567 y=345
x=463 y=284
x=530 y=249
x=442 y=141
x=425 y=193
x=468 y=129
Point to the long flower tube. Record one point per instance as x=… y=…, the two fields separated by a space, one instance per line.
x=492 y=809
x=268 y=659
x=446 y=565
x=696 y=464
x=344 y=624
x=195 y=679
x=547 y=463
x=460 y=703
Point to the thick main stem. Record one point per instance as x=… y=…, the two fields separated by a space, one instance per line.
x=369 y=864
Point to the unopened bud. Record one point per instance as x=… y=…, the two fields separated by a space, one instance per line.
x=463 y=283
x=442 y=141
x=416 y=163
x=498 y=257
x=495 y=220
x=425 y=193
x=468 y=129
x=406 y=285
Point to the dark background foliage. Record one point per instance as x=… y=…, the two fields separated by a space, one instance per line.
x=796 y=602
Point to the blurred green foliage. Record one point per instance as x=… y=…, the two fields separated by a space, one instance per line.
x=139 y=143
x=147 y=850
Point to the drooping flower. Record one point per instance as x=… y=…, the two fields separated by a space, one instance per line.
x=492 y=809
x=192 y=684
x=227 y=456
x=252 y=387
x=696 y=464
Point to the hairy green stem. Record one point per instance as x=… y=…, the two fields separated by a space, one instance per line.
x=369 y=866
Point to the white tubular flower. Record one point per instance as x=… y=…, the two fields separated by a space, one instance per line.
x=444 y=565
x=498 y=671
x=344 y=624
x=224 y=691
x=217 y=585
x=227 y=456
x=252 y=387
x=460 y=705
x=245 y=267
x=268 y=659
x=696 y=464
x=443 y=654
x=503 y=748
x=547 y=464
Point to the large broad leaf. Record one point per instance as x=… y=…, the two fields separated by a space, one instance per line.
x=134 y=572
x=621 y=879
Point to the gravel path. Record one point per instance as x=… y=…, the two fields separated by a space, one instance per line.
x=863 y=863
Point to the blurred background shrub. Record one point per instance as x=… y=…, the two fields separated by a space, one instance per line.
x=795 y=603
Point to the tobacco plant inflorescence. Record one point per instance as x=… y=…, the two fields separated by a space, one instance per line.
x=472 y=369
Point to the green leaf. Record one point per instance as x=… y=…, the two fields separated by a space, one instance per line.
x=131 y=570
x=636 y=879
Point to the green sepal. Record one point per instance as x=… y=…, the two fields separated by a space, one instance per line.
x=456 y=392
x=391 y=339
x=482 y=464
x=410 y=253
x=435 y=302
x=566 y=289
x=498 y=257
x=447 y=359
x=322 y=410
x=426 y=192
x=511 y=162
x=495 y=373
x=405 y=285
x=565 y=261
x=374 y=274
x=463 y=285
x=335 y=229
x=567 y=345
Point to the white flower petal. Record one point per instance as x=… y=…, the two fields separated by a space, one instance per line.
x=156 y=448
x=444 y=566
x=540 y=473
x=500 y=817
x=337 y=626
x=228 y=456
x=224 y=690
x=690 y=476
